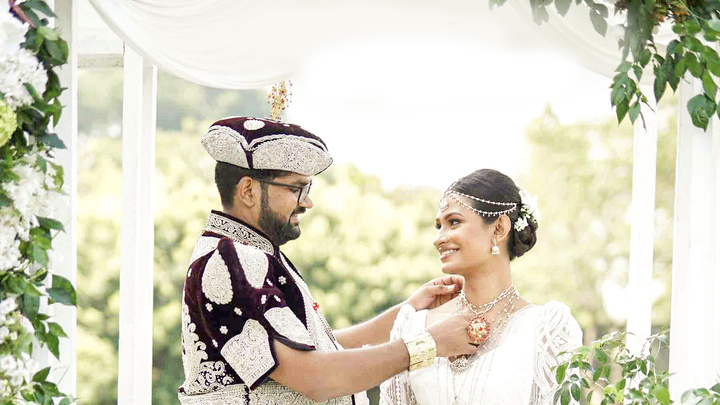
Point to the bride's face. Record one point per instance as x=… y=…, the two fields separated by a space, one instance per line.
x=463 y=239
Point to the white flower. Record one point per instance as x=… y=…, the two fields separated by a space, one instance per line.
x=13 y=335
x=224 y=330
x=520 y=224
x=16 y=69
x=27 y=325
x=209 y=307
x=282 y=280
x=8 y=305
x=529 y=206
x=12 y=33
x=7 y=363
x=263 y=299
x=238 y=311
x=16 y=380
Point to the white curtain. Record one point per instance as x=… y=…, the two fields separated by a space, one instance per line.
x=251 y=43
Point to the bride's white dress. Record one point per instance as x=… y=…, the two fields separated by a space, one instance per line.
x=518 y=371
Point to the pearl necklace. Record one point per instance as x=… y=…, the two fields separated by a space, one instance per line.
x=462 y=363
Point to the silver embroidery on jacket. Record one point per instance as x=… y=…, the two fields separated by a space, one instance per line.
x=203 y=246
x=238 y=232
x=193 y=351
x=249 y=352
x=255 y=264
x=270 y=393
x=284 y=321
x=317 y=327
x=216 y=283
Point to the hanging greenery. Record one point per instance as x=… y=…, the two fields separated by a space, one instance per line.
x=31 y=187
x=697 y=26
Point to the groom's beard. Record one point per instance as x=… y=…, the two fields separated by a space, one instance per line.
x=278 y=230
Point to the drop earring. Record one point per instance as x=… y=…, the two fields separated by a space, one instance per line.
x=495 y=249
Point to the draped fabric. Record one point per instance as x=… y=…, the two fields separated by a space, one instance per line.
x=519 y=371
x=240 y=44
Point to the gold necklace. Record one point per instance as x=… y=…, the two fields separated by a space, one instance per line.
x=479 y=327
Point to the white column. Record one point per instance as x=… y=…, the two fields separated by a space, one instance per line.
x=639 y=315
x=695 y=315
x=65 y=244
x=136 y=271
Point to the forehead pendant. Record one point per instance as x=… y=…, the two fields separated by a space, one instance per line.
x=443 y=205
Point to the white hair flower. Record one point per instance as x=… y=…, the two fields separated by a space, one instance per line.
x=528 y=211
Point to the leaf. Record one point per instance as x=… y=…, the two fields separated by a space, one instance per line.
x=621 y=110
x=53 y=344
x=41 y=375
x=623 y=67
x=660 y=84
x=62 y=291
x=40 y=6
x=644 y=57
x=708 y=84
x=634 y=111
x=541 y=14
x=560 y=373
x=638 y=72
x=565 y=397
x=54 y=50
x=686 y=395
x=598 y=22
x=52 y=140
x=575 y=391
x=39 y=255
x=714 y=24
x=601 y=355
x=30 y=306
x=701 y=108
x=602 y=9
x=662 y=394
x=597 y=374
x=589 y=396
x=48 y=33
x=50 y=223
x=562 y=6
x=693 y=65
x=714 y=68
x=56 y=329
x=716 y=388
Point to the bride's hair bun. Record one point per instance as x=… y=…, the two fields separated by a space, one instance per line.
x=494 y=186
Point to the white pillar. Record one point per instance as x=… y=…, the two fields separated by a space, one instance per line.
x=65 y=244
x=639 y=315
x=136 y=271
x=695 y=315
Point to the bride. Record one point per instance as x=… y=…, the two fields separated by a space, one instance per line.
x=485 y=221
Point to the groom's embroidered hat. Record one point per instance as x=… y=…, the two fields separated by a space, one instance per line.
x=263 y=144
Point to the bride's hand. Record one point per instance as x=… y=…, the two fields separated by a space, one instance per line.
x=436 y=292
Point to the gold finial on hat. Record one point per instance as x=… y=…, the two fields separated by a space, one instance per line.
x=279 y=98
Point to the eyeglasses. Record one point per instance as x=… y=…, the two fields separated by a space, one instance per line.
x=304 y=190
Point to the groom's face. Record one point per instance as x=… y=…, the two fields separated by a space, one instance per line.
x=279 y=208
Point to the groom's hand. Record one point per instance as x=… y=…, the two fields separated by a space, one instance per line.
x=436 y=292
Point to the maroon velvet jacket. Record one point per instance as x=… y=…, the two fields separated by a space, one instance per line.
x=240 y=294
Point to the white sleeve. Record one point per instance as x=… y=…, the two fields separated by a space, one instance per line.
x=397 y=390
x=557 y=331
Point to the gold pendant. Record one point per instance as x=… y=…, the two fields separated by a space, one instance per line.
x=478 y=329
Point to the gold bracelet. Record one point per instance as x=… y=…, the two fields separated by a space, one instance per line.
x=422 y=350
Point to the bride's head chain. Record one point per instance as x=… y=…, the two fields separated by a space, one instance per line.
x=528 y=206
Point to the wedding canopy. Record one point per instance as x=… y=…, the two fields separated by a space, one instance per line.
x=250 y=43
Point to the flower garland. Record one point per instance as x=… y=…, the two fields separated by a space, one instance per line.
x=31 y=186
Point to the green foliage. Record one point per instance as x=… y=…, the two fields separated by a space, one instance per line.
x=590 y=369
x=582 y=175
x=687 y=53
x=29 y=147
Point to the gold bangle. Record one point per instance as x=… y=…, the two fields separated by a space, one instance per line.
x=422 y=350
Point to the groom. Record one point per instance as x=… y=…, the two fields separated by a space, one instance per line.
x=251 y=331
